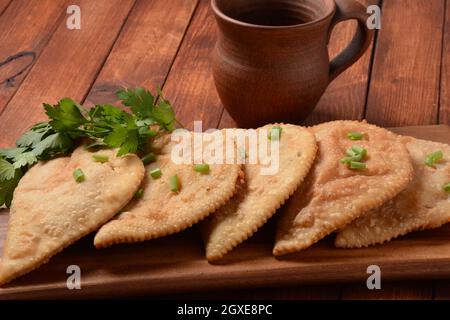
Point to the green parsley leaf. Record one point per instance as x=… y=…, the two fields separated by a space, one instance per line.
x=52 y=145
x=145 y=132
x=34 y=136
x=142 y=104
x=125 y=138
x=11 y=153
x=7 y=188
x=139 y=100
x=164 y=114
x=117 y=137
x=104 y=115
x=65 y=116
x=24 y=159
x=97 y=143
x=7 y=170
x=145 y=122
x=130 y=145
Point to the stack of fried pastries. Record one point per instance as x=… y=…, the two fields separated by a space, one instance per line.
x=362 y=182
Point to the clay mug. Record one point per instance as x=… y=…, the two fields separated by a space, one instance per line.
x=271 y=61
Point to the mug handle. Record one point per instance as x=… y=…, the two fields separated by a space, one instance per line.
x=348 y=10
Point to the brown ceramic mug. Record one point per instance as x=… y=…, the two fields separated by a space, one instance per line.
x=271 y=60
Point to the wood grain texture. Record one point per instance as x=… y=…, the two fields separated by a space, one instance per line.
x=176 y=264
x=444 y=111
x=404 y=86
x=3 y=5
x=190 y=85
x=345 y=97
x=145 y=49
x=411 y=290
x=67 y=66
x=26 y=25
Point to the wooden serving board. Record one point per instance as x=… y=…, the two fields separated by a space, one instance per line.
x=177 y=263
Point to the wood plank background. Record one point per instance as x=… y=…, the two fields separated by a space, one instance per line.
x=406 y=67
x=17 y=37
x=404 y=79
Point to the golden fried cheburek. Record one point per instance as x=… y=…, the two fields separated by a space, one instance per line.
x=423 y=205
x=333 y=195
x=262 y=195
x=160 y=211
x=50 y=210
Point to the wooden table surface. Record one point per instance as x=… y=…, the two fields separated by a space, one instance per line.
x=404 y=79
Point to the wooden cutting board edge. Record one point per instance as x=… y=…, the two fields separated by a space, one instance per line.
x=339 y=273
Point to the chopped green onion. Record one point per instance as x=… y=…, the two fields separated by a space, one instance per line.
x=359 y=151
x=202 y=168
x=100 y=158
x=156 y=173
x=347 y=160
x=350 y=153
x=433 y=158
x=275 y=133
x=139 y=193
x=242 y=154
x=78 y=175
x=357 y=165
x=447 y=187
x=355 y=135
x=354 y=157
x=174 y=183
x=149 y=158
x=355 y=153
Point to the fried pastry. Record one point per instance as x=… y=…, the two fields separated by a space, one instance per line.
x=160 y=211
x=423 y=205
x=359 y=167
x=262 y=195
x=51 y=210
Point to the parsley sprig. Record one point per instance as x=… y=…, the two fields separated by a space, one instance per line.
x=104 y=125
